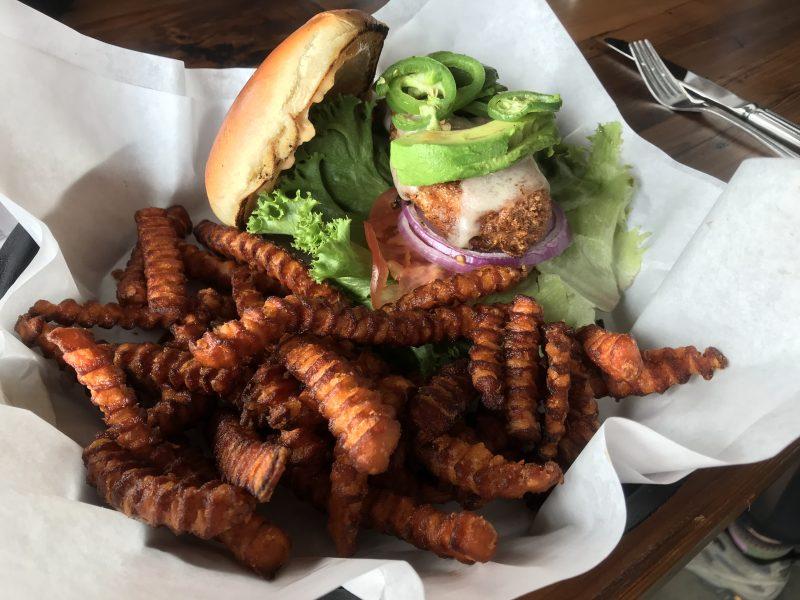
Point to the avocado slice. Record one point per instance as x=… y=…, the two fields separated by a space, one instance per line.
x=429 y=157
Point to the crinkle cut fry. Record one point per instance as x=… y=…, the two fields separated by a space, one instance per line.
x=365 y=427
x=306 y=447
x=473 y=467
x=557 y=349
x=244 y=291
x=33 y=332
x=163 y=267
x=203 y=265
x=265 y=256
x=583 y=417
x=521 y=351
x=442 y=402
x=154 y=367
x=131 y=287
x=237 y=341
x=616 y=354
x=208 y=305
x=180 y=220
x=258 y=544
x=348 y=490
x=272 y=398
x=395 y=391
x=94 y=314
x=106 y=384
x=178 y=410
x=459 y=288
x=138 y=489
x=665 y=367
x=486 y=366
x=246 y=460
x=465 y=536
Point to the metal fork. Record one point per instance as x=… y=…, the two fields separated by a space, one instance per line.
x=669 y=92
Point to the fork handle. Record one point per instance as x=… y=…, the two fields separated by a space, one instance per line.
x=740 y=122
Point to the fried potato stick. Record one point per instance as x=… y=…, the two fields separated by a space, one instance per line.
x=244 y=291
x=209 y=305
x=258 y=544
x=154 y=367
x=557 y=349
x=126 y=420
x=306 y=446
x=459 y=288
x=441 y=403
x=521 y=351
x=178 y=410
x=131 y=287
x=246 y=248
x=617 y=354
x=206 y=267
x=364 y=426
x=465 y=536
x=486 y=366
x=272 y=398
x=246 y=460
x=237 y=341
x=163 y=267
x=94 y=314
x=395 y=391
x=136 y=488
x=665 y=367
x=474 y=468
x=33 y=332
x=180 y=220
x=348 y=490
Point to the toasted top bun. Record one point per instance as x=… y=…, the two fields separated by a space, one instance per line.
x=335 y=51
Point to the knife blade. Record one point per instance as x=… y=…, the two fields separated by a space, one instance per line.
x=769 y=122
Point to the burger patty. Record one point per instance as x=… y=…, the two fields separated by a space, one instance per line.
x=520 y=217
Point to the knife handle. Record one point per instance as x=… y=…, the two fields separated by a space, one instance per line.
x=773 y=124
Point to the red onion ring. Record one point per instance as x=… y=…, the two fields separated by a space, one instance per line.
x=430 y=254
x=461 y=260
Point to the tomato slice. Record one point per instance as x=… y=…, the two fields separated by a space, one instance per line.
x=380 y=270
x=390 y=250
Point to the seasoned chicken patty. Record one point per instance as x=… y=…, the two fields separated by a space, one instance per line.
x=507 y=211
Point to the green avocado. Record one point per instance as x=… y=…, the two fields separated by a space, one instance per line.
x=429 y=157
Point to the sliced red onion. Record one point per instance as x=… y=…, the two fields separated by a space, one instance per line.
x=428 y=253
x=554 y=243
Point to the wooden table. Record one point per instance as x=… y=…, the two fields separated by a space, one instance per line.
x=750 y=46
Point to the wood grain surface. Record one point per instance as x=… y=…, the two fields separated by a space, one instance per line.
x=750 y=46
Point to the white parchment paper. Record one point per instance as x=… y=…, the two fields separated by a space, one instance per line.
x=92 y=132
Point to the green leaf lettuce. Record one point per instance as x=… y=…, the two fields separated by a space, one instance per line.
x=327 y=243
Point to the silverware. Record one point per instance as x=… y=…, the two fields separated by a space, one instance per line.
x=668 y=92
x=766 y=120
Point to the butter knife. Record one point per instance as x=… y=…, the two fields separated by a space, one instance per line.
x=771 y=123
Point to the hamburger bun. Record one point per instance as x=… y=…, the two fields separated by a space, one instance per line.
x=335 y=51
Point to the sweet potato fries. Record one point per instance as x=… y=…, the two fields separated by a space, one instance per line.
x=283 y=382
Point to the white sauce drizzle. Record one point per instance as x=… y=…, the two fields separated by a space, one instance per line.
x=489 y=193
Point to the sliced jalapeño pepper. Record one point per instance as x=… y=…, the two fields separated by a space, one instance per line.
x=468 y=74
x=512 y=106
x=417 y=82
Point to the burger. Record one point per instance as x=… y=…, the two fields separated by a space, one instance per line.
x=388 y=182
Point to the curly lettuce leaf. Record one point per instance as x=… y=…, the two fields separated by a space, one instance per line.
x=344 y=166
x=595 y=188
x=327 y=242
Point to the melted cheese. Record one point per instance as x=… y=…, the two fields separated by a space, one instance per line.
x=492 y=192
